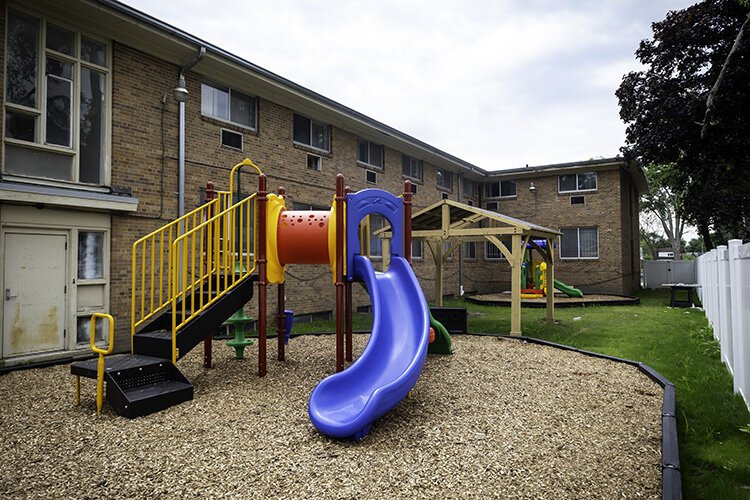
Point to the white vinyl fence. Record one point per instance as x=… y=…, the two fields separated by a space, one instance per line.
x=724 y=276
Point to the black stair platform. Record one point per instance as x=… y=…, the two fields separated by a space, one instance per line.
x=115 y=362
x=138 y=385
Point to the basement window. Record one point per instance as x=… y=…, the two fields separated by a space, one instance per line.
x=577 y=200
x=445 y=196
x=371 y=177
x=413 y=189
x=314 y=162
x=231 y=139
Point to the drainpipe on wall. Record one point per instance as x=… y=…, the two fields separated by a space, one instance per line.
x=181 y=96
x=460 y=247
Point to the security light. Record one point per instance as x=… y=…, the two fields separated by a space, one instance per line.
x=181 y=92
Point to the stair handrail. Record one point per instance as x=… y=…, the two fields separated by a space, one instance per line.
x=101 y=353
x=153 y=301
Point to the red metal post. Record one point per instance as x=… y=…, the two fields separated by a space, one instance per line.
x=280 y=317
x=407 y=221
x=339 y=201
x=208 y=341
x=348 y=308
x=261 y=259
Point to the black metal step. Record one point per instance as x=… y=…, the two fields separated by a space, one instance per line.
x=138 y=385
x=156 y=343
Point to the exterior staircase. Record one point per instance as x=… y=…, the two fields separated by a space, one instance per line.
x=188 y=277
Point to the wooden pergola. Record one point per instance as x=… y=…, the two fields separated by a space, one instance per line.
x=456 y=223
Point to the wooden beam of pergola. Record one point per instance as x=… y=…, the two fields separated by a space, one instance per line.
x=455 y=222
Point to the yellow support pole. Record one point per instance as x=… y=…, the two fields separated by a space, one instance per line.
x=515 y=285
x=101 y=353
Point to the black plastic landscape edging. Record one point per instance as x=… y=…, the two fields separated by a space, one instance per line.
x=671 y=478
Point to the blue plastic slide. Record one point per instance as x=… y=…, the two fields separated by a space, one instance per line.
x=346 y=404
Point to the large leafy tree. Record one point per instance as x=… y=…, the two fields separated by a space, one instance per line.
x=665 y=105
x=663 y=207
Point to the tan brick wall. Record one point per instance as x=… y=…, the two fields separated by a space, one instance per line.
x=607 y=209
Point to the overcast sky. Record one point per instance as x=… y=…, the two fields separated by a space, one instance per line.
x=500 y=84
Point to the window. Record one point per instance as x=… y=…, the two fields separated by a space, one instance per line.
x=90 y=255
x=411 y=167
x=228 y=105
x=314 y=162
x=501 y=189
x=56 y=102
x=577 y=182
x=448 y=250
x=470 y=203
x=371 y=177
x=376 y=242
x=444 y=196
x=579 y=243
x=312 y=133
x=370 y=153
x=83 y=329
x=577 y=200
x=445 y=179
x=416 y=250
x=491 y=205
x=231 y=139
x=491 y=252
x=469 y=250
x=414 y=189
x=470 y=188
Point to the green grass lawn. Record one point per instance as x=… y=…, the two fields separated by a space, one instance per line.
x=714 y=447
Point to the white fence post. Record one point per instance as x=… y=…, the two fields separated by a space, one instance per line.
x=739 y=262
x=724 y=306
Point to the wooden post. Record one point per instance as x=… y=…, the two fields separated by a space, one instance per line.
x=438 y=251
x=385 y=261
x=407 y=221
x=348 y=308
x=445 y=218
x=208 y=341
x=550 y=259
x=339 y=201
x=261 y=259
x=515 y=285
x=280 y=301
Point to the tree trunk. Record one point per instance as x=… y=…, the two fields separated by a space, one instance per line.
x=705 y=235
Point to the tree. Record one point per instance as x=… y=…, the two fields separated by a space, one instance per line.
x=650 y=243
x=664 y=206
x=664 y=107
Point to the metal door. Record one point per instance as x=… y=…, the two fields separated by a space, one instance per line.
x=34 y=294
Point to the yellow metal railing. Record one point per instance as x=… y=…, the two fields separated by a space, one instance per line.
x=151 y=273
x=211 y=259
x=100 y=363
x=193 y=261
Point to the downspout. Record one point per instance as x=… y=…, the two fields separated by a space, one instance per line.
x=181 y=94
x=460 y=247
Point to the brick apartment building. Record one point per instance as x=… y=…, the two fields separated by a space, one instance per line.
x=92 y=153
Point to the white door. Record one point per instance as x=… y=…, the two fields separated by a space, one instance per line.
x=34 y=295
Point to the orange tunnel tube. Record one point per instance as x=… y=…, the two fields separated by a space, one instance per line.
x=302 y=237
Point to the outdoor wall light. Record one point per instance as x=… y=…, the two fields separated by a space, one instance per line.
x=181 y=92
x=532 y=187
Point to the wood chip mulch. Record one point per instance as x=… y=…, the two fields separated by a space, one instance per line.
x=499 y=418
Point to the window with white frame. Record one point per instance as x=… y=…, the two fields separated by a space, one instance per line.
x=491 y=252
x=577 y=182
x=312 y=133
x=500 y=189
x=445 y=179
x=470 y=250
x=56 y=101
x=491 y=205
x=579 y=243
x=416 y=250
x=411 y=167
x=370 y=153
x=228 y=105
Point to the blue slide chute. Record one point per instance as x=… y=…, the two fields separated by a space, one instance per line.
x=346 y=404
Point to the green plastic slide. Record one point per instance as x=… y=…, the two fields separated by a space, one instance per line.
x=567 y=289
x=442 y=343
